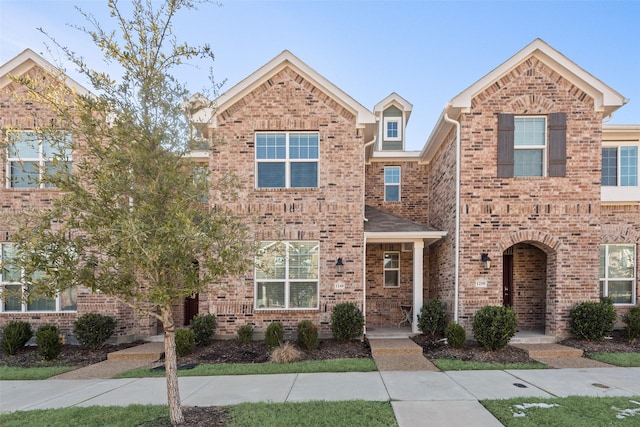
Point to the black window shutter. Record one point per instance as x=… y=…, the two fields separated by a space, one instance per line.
x=505 y=145
x=557 y=144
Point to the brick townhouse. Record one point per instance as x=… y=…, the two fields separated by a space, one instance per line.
x=520 y=196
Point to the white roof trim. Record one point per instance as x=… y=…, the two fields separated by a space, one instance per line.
x=408 y=236
x=27 y=60
x=287 y=59
x=380 y=156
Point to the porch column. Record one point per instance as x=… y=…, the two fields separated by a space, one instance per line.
x=418 y=248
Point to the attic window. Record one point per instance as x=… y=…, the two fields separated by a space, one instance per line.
x=392 y=129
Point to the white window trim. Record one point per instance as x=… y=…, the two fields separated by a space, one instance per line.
x=287 y=161
x=287 y=281
x=618 y=193
x=385 y=269
x=633 y=280
x=40 y=160
x=545 y=161
x=24 y=305
x=392 y=119
x=393 y=184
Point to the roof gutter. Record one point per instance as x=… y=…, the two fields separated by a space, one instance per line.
x=457 y=234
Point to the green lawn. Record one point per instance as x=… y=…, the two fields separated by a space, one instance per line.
x=461 y=365
x=618 y=359
x=309 y=366
x=567 y=412
x=318 y=414
x=35 y=373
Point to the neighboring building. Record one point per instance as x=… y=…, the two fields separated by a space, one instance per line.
x=545 y=193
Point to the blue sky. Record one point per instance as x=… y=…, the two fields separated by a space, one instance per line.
x=426 y=51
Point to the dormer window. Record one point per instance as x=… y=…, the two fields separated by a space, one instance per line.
x=393 y=129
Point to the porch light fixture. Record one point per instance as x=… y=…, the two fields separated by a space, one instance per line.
x=339 y=266
x=486 y=261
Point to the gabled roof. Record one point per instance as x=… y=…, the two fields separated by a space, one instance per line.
x=394 y=99
x=605 y=98
x=287 y=59
x=28 y=59
x=385 y=226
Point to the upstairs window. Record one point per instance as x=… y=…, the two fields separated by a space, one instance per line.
x=31 y=158
x=14 y=292
x=620 y=166
x=392 y=184
x=392 y=129
x=286 y=275
x=618 y=273
x=532 y=145
x=287 y=160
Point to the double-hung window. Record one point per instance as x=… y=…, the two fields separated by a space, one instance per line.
x=618 y=273
x=391 y=269
x=287 y=159
x=31 y=157
x=14 y=291
x=530 y=141
x=620 y=166
x=286 y=275
x=392 y=184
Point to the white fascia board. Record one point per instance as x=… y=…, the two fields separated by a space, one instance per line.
x=439 y=133
x=620 y=133
x=407 y=236
x=606 y=99
x=386 y=156
x=287 y=59
x=26 y=60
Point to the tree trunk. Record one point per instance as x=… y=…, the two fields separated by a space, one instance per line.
x=171 y=369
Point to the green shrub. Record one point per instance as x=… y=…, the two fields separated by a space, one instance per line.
x=245 y=333
x=49 y=342
x=494 y=326
x=204 y=328
x=347 y=321
x=93 y=330
x=593 y=321
x=274 y=335
x=631 y=321
x=15 y=335
x=432 y=318
x=455 y=334
x=185 y=341
x=307 y=335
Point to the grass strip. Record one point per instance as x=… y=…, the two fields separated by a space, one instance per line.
x=629 y=360
x=35 y=373
x=463 y=365
x=570 y=411
x=308 y=366
x=354 y=413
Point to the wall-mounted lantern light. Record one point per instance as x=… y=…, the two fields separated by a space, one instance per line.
x=339 y=266
x=486 y=261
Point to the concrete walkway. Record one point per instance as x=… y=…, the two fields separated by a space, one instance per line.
x=444 y=398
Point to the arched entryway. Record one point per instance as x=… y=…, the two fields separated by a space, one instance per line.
x=525 y=285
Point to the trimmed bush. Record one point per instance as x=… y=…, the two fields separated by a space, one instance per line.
x=455 y=334
x=494 y=326
x=185 y=342
x=49 y=341
x=245 y=334
x=592 y=321
x=93 y=330
x=15 y=335
x=204 y=328
x=631 y=321
x=432 y=318
x=347 y=321
x=274 y=335
x=307 y=335
x=285 y=353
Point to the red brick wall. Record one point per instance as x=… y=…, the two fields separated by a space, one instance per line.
x=331 y=214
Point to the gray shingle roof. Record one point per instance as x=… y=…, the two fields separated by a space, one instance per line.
x=379 y=221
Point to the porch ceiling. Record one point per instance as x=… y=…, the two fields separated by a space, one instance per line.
x=382 y=226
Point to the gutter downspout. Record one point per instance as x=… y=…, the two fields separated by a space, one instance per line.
x=457 y=237
x=364 y=242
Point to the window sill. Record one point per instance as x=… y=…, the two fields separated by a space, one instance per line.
x=303 y=189
x=281 y=310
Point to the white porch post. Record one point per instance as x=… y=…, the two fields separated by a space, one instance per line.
x=418 y=248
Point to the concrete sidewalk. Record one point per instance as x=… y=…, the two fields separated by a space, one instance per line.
x=446 y=398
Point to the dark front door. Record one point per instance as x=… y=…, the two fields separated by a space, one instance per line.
x=507 y=280
x=190 y=309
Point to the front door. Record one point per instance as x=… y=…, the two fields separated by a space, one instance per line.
x=507 y=280
x=190 y=309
